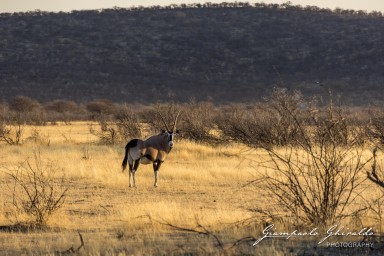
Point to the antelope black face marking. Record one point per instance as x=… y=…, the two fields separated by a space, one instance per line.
x=170 y=139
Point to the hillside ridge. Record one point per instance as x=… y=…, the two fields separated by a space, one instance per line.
x=229 y=52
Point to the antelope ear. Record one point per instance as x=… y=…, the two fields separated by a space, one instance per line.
x=177 y=131
x=162 y=131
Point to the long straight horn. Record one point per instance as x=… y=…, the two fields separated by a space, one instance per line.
x=174 y=124
x=162 y=118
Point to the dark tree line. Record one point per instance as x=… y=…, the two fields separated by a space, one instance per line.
x=285 y=6
x=228 y=52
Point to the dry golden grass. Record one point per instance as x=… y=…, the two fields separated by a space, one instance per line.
x=198 y=184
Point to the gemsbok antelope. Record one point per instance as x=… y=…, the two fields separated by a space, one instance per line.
x=153 y=150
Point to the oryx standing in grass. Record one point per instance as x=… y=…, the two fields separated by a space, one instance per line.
x=153 y=150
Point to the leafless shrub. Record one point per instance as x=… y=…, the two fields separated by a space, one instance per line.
x=316 y=184
x=317 y=174
x=375 y=129
x=61 y=106
x=37 y=117
x=27 y=111
x=285 y=107
x=23 y=104
x=318 y=178
x=36 y=191
x=332 y=126
x=4 y=109
x=12 y=126
x=264 y=124
x=376 y=173
x=128 y=123
x=153 y=116
x=225 y=246
x=38 y=138
x=61 y=110
x=377 y=208
x=101 y=107
x=11 y=133
x=284 y=119
x=372 y=208
x=199 y=229
x=248 y=125
x=198 y=122
x=72 y=250
x=106 y=131
x=124 y=127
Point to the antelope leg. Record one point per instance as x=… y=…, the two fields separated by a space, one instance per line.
x=134 y=169
x=156 y=167
x=130 y=174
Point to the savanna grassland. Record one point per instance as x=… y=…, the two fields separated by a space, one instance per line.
x=208 y=202
x=198 y=185
x=307 y=157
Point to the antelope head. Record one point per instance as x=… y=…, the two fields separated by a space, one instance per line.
x=168 y=132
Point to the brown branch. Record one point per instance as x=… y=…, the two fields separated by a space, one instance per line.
x=73 y=250
x=199 y=229
x=372 y=175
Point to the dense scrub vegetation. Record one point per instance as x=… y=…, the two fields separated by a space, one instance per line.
x=229 y=52
x=275 y=121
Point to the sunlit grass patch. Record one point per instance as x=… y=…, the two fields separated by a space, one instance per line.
x=200 y=186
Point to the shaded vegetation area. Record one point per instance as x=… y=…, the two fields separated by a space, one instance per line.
x=229 y=52
x=280 y=119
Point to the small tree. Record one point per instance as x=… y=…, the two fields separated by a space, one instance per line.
x=63 y=110
x=61 y=106
x=26 y=111
x=318 y=177
x=376 y=173
x=264 y=124
x=11 y=133
x=106 y=131
x=121 y=128
x=128 y=123
x=248 y=125
x=36 y=190
x=23 y=104
x=375 y=129
x=4 y=109
x=101 y=107
x=318 y=172
x=167 y=110
x=198 y=122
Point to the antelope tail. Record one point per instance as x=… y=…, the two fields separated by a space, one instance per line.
x=125 y=161
x=131 y=144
